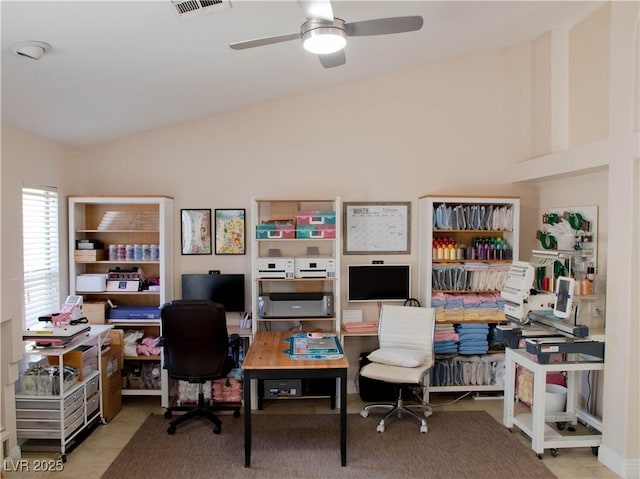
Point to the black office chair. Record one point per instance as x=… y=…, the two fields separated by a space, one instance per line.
x=196 y=349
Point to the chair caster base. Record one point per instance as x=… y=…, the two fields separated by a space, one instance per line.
x=171 y=430
x=423 y=427
x=364 y=413
x=380 y=427
x=217 y=429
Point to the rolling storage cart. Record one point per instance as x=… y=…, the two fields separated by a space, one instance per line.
x=53 y=411
x=533 y=424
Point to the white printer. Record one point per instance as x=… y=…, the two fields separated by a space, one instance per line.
x=315 y=267
x=275 y=268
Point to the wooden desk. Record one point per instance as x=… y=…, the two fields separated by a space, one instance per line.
x=266 y=360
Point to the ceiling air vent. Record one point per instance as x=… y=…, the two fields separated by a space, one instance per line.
x=188 y=8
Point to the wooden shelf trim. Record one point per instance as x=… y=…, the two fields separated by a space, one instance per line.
x=107 y=293
x=321 y=318
x=142 y=358
x=435 y=231
x=301 y=280
x=118 y=231
x=108 y=261
x=450 y=261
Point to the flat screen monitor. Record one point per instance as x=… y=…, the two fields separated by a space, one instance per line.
x=226 y=289
x=379 y=282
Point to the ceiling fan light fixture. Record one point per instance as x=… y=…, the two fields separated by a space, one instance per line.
x=322 y=38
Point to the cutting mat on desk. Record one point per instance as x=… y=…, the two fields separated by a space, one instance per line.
x=308 y=346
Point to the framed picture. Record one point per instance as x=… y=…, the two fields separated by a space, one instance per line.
x=377 y=227
x=230 y=231
x=196 y=231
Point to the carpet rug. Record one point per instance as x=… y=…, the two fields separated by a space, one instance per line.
x=459 y=445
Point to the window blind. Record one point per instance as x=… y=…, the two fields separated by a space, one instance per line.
x=40 y=253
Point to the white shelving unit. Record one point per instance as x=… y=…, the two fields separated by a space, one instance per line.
x=56 y=420
x=128 y=220
x=430 y=230
x=269 y=210
x=287 y=239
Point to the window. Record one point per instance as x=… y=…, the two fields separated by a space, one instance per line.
x=40 y=253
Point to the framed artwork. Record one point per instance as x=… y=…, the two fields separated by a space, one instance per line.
x=230 y=231
x=196 y=231
x=377 y=227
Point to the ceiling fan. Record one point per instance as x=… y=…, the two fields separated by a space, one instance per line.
x=326 y=35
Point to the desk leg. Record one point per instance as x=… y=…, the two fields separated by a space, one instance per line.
x=538 y=413
x=247 y=420
x=343 y=417
x=572 y=396
x=509 y=389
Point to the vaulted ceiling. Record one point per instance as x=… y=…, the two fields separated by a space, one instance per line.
x=119 y=68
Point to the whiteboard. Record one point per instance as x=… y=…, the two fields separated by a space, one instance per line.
x=374 y=227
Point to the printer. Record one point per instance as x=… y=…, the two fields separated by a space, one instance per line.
x=275 y=268
x=295 y=305
x=315 y=267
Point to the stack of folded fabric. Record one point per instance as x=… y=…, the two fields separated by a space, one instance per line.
x=473 y=338
x=472 y=303
x=454 y=308
x=439 y=301
x=226 y=390
x=445 y=339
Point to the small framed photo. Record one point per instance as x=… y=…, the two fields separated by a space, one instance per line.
x=196 y=231
x=230 y=231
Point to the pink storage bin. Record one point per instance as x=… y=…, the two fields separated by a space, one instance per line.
x=284 y=232
x=328 y=231
x=316 y=217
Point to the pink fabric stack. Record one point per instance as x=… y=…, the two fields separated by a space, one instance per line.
x=226 y=390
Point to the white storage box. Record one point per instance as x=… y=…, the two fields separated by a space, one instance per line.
x=95 y=283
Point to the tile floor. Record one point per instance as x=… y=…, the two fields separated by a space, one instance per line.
x=92 y=457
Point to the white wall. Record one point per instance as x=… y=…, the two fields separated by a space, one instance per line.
x=439 y=129
x=27 y=160
x=602 y=121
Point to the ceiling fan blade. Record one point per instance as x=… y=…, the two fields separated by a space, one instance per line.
x=331 y=60
x=384 y=26
x=258 y=42
x=317 y=9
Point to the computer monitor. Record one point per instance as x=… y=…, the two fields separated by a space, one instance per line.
x=378 y=282
x=226 y=289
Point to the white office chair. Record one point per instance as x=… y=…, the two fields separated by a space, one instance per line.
x=405 y=355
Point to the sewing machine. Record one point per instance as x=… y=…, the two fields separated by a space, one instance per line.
x=519 y=295
x=542 y=319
